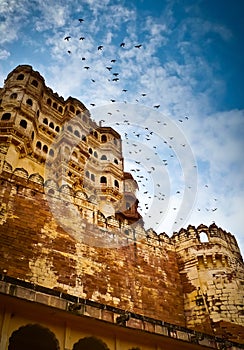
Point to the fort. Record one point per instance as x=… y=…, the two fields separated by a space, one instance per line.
x=78 y=269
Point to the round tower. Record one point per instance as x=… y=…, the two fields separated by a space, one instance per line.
x=212 y=274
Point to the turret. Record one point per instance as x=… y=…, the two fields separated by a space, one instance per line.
x=212 y=273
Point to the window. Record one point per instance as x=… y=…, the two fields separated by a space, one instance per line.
x=6 y=116
x=87 y=174
x=32 y=135
x=115 y=142
x=20 y=77
x=70 y=128
x=38 y=113
x=116 y=183
x=55 y=106
x=29 y=102
x=116 y=161
x=57 y=128
x=95 y=134
x=33 y=336
x=34 y=83
x=78 y=112
x=13 y=96
x=84 y=118
x=90 y=150
x=90 y=343
x=51 y=152
x=103 y=180
x=103 y=157
x=77 y=133
x=38 y=145
x=72 y=109
x=127 y=205
x=23 y=123
x=49 y=101
x=45 y=121
x=95 y=154
x=60 y=109
x=83 y=138
x=104 y=138
x=203 y=237
x=45 y=149
x=51 y=125
x=92 y=177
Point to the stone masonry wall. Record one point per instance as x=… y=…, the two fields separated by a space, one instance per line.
x=141 y=276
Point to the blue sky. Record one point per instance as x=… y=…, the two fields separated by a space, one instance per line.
x=190 y=63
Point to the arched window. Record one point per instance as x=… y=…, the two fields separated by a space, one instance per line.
x=38 y=145
x=70 y=128
x=45 y=149
x=29 y=102
x=95 y=154
x=84 y=118
x=49 y=101
x=13 y=96
x=90 y=150
x=72 y=109
x=33 y=337
x=34 y=83
x=104 y=138
x=20 y=77
x=92 y=177
x=103 y=157
x=38 y=113
x=77 y=133
x=51 y=125
x=95 y=134
x=87 y=174
x=55 y=106
x=45 y=121
x=57 y=128
x=203 y=237
x=23 y=123
x=115 y=142
x=6 y=116
x=78 y=112
x=51 y=152
x=103 y=180
x=32 y=135
x=116 y=183
x=90 y=343
x=116 y=161
x=83 y=138
x=127 y=205
x=60 y=109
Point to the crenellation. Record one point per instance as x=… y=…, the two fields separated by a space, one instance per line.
x=81 y=232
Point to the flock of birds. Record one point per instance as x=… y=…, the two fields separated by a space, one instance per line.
x=142 y=175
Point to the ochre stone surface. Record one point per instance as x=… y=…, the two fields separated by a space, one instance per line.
x=69 y=231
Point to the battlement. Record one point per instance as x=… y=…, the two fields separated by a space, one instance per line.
x=69 y=219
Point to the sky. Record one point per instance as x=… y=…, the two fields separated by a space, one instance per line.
x=177 y=98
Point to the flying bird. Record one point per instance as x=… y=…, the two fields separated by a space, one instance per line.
x=100 y=47
x=81 y=20
x=87 y=67
x=67 y=38
x=109 y=68
x=113 y=61
x=156 y=106
x=122 y=44
x=82 y=38
x=138 y=46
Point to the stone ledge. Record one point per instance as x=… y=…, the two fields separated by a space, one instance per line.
x=81 y=307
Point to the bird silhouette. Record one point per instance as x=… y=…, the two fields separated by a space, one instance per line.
x=100 y=47
x=113 y=61
x=82 y=38
x=122 y=44
x=81 y=20
x=87 y=67
x=67 y=38
x=156 y=106
x=138 y=46
x=109 y=68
